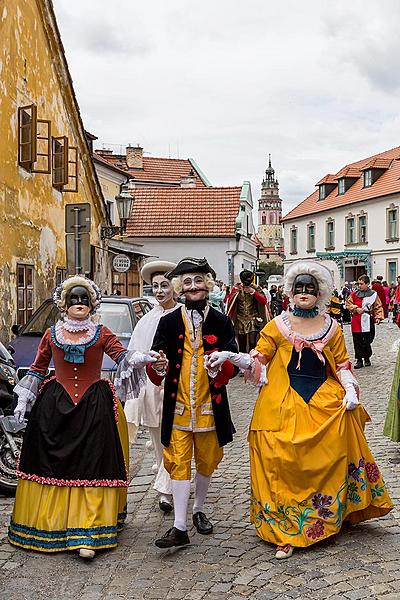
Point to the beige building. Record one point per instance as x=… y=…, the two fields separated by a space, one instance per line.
x=45 y=162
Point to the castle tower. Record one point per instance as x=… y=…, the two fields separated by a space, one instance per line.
x=270 y=210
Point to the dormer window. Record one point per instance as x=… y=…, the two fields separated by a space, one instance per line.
x=341 y=186
x=322 y=192
x=368 y=178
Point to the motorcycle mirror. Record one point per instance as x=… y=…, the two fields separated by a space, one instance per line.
x=16 y=328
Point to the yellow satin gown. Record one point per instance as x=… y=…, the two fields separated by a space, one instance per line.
x=311 y=467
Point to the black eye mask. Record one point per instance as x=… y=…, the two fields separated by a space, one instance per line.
x=305 y=284
x=78 y=295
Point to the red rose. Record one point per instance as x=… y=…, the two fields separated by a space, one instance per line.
x=210 y=339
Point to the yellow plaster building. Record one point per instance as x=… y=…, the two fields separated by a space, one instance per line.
x=45 y=162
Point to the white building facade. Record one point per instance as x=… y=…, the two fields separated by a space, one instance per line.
x=355 y=236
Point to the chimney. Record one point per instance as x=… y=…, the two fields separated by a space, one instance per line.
x=189 y=181
x=104 y=152
x=134 y=157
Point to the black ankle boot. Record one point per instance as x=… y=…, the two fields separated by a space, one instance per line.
x=367 y=362
x=359 y=363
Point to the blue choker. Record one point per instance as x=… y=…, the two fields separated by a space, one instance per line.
x=306 y=313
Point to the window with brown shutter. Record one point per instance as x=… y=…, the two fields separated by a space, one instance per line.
x=27 y=126
x=33 y=140
x=60 y=157
x=24 y=293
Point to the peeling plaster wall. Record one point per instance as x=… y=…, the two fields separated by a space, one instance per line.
x=31 y=210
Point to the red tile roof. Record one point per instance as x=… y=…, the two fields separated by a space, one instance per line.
x=157 y=170
x=184 y=212
x=101 y=160
x=327 y=179
x=388 y=183
x=348 y=172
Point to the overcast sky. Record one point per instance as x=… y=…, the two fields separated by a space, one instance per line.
x=315 y=83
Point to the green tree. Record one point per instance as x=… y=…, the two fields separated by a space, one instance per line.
x=269 y=268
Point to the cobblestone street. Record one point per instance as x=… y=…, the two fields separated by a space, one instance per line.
x=362 y=562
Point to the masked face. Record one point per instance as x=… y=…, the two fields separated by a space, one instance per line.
x=194 y=286
x=305 y=291
x=78 y=303
x=162 y=290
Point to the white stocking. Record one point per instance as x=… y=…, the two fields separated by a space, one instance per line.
x=180 y=493
x=201 y=487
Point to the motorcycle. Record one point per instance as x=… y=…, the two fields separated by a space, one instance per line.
x=11 y=431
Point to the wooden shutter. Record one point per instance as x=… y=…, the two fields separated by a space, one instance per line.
x=72 y=185
x=27 y=131
x=60 y=162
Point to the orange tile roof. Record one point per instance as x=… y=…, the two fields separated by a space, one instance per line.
x=101 y=160
x=184 y=212
x=348 y=172
x=388 y=183
x=157 y=170
x=327 y=179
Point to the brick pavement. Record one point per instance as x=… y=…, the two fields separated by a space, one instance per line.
x=233 y=563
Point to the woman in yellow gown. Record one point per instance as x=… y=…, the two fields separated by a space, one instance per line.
x=311 y=467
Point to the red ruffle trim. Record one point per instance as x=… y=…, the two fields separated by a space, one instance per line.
x=73 y=482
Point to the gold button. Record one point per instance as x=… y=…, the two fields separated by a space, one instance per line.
x=75 y=385
x=76 y=395
x=76 y=377
x=75 y=368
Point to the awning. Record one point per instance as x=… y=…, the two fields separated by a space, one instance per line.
x=118 y=246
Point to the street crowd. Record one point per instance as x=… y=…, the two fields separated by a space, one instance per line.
x=310 y=464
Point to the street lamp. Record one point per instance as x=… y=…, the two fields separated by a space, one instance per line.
x=124 y=202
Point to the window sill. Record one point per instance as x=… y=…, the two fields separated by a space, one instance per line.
x=293 y=253
x=310 y=251
x=391 y=240
x=330 y=248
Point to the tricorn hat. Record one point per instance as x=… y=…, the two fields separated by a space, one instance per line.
x=191 y=265
x=155 y=266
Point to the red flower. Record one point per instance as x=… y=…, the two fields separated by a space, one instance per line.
x=372 y=472
x=210 y=339
x=316 y=531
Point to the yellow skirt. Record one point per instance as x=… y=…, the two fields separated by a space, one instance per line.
x=53 y=518
x=314 y=473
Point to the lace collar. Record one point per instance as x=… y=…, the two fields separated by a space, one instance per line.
x=322 y=333
x=85 y=339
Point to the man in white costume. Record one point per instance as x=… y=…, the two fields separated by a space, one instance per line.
x=146 y=409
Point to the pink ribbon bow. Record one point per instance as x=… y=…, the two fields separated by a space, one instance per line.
x=317 y=347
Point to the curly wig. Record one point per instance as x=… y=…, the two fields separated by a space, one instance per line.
x=321 y=273
x=60 y=293
x=208 y=280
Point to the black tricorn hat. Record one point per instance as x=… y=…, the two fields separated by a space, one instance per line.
x=191 y=265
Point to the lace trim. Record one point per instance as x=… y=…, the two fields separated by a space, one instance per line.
x=73 y=482
x=85 y=339
x=87 y=344
x=310 y=338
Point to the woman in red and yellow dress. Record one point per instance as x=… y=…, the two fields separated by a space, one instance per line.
x=73 y=469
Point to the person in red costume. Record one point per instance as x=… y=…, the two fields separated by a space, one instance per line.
x=249 y=310
x=73 y=468
x=380 y=290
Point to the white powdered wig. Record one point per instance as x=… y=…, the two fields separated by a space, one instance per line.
x=177 y=282
x=60 y=293
x=321 y=273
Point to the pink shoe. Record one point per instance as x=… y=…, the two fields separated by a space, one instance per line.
x=284 y=552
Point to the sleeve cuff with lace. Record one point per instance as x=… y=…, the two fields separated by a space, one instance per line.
x=131 y=374
x=28 y=387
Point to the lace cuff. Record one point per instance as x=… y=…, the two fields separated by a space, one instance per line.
x=256 y=373
x=131 y=375
x=27 y=389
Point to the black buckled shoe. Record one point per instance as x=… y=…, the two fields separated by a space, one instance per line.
x=358 y=364
x=202 y=524
x=165 y=506
x=367 y=362
x=173 y=537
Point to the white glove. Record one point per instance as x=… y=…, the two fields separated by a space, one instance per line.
x=216 y=359
x=239 y=359
x=348 y=381
x=138 y=360
x=350 y=401
x=20 y=410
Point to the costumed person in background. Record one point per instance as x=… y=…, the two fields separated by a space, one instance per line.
x=335 y=307
x=391 y=428
x=216 y=298
x=366 y=311
x=377 y=286
x=310 y=464
x=346 y=291
x=196 y=418
x=73 y=468
x=146 y=408
x=249 y=310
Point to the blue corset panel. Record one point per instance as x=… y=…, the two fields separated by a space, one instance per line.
x=311 y=375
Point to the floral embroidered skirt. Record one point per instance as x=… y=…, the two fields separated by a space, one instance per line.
x=392 y=422
x=53 y=514
x=315 y=473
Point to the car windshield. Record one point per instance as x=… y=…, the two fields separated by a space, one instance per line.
x=114 y=316
x=117 y=318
